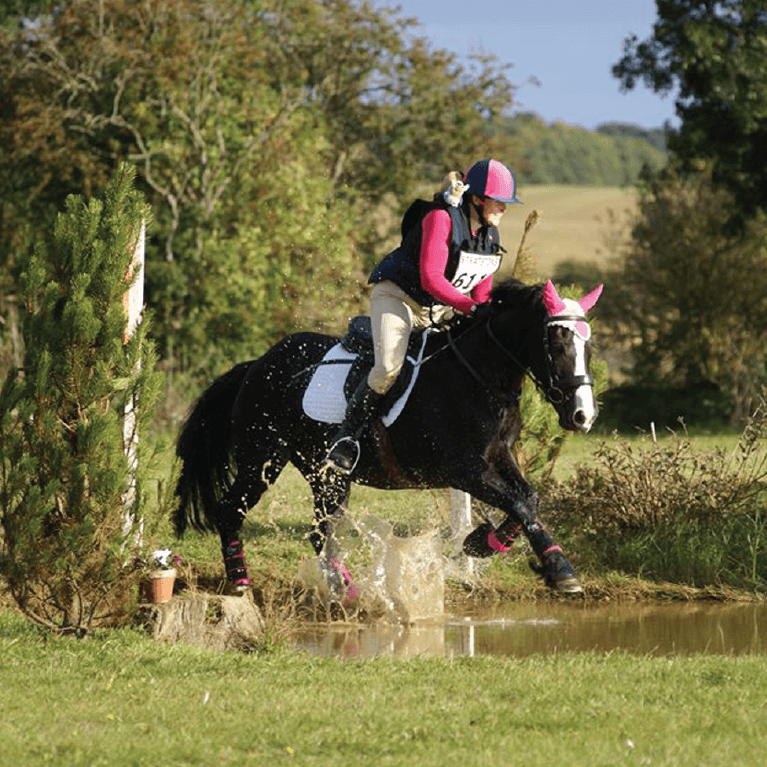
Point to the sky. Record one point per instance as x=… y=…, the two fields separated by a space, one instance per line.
x=569 y=46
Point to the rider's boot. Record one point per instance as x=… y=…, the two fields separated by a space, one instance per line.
x=345 y=453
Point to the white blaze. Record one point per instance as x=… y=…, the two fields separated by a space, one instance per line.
x=585 y=406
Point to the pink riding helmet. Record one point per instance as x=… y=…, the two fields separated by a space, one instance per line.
x=490 y=178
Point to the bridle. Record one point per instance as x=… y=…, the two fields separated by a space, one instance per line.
x=556 y=389
x=556 y=383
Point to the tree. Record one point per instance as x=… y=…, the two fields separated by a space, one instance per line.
x=64 y=474
x=567 y=154
x=715 y=53
x=688 y=302
x=655 y=137
x=265 y=135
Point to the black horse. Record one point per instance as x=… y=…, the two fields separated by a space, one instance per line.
x=456 y=430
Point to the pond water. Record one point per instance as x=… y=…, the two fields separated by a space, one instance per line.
x=520 y=630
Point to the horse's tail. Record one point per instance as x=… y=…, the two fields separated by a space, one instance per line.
x=204 y=446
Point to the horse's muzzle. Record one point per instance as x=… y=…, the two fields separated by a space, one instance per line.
x=580 y=411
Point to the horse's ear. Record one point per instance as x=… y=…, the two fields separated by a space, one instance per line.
x=551 y=300
x=587 y=302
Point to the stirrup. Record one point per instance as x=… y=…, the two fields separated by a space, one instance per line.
x=343 y=456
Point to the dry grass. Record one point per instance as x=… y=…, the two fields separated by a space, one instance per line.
x=581 y=223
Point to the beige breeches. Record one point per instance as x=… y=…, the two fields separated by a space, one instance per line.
x=394 y=314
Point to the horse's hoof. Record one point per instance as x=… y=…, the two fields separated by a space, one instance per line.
x=558 y=574
x=569 y=586
x=237 y=589
x=484 y=541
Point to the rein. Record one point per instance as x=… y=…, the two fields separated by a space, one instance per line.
x=553 y=389
x=513 y=398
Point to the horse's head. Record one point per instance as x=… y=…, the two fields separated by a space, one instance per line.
x=557 y=347
x=567 y=380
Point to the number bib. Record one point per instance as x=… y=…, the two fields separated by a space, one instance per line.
x=472 y=269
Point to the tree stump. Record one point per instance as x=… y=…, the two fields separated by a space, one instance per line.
x=212 y=621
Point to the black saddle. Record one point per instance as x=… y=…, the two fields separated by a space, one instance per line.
x=359 y=336
x=359 y=340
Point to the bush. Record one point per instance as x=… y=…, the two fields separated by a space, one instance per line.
x=671 y=513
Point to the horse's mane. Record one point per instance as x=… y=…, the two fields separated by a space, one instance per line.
x=511 y=291
x=508 y=293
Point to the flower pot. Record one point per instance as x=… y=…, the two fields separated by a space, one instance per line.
x=160 y=586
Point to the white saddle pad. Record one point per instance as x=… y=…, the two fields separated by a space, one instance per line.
x=324 y=398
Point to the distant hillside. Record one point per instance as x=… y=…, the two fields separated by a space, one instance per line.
x=655 y=137
x=614 y=155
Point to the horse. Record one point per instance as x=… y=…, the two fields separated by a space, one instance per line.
x=456 y=429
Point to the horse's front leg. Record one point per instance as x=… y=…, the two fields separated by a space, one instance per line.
x=505 y=488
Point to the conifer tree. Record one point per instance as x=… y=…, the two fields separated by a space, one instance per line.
x=64 y=475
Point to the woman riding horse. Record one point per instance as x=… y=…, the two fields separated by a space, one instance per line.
x=445 y=263
x=456 y=429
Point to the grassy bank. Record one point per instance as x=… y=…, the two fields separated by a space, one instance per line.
x=276 y=536
x=119 y=699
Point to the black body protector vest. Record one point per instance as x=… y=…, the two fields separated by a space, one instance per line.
x=470 y=259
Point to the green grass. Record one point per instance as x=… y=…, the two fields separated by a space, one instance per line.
x=119 y=699
x=275 y=532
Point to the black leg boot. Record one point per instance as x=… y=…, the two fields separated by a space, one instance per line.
x=362 y=407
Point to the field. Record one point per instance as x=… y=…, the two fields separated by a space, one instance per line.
x=119 y=700
x=577 y=223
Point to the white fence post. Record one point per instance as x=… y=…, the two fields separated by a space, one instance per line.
x=460 y=519
x=133 y=302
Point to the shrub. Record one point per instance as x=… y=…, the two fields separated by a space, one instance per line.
x=671 y=513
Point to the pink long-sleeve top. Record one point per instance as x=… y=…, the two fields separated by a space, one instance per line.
x=434 y=254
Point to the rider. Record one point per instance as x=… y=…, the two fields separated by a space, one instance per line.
x=445 y=264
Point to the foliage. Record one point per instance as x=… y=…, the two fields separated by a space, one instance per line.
x=71 y=503
x=568 y=154
x=688 y=303
x=715 y=54
x=672 y=513
x=264 y=133
x=630 y=407
x=654 y=136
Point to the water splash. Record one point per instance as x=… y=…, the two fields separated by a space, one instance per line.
x=399 y=580
x=406 y=578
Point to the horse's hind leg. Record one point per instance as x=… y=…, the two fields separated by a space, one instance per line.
x=246 y=491
x=331 y=496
